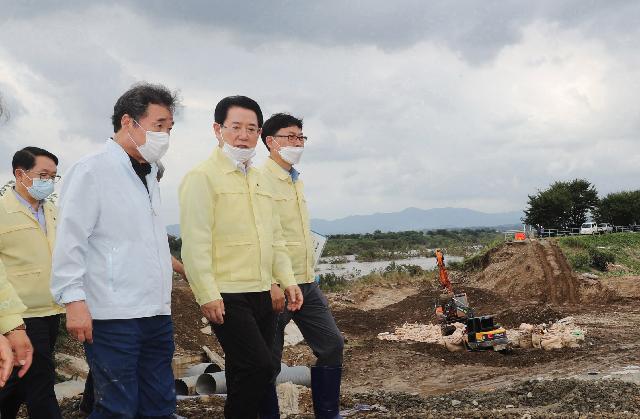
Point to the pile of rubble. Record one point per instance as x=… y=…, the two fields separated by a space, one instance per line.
x=427 y=333
x=562 y=334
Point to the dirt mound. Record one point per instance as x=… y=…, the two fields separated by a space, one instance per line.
x=530 y=313
x=535 y=271
x=626 y=287
x=187 y=321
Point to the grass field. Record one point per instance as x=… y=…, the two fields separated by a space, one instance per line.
x=404 y=244
x=589 y=252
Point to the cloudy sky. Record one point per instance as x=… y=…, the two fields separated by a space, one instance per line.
x=406 y=103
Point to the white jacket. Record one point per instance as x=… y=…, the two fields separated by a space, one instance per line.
x=111 y=249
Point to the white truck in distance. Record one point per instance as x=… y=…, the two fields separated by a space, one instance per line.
x=589 y=228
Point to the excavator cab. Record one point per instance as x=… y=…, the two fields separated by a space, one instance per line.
x=452 y=309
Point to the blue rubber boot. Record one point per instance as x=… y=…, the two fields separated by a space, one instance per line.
x=325 y=391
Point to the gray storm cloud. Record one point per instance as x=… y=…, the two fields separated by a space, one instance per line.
x=410 y=103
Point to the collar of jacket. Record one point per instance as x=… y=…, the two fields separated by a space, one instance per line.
x=12 y=205
x=277 y=170
x=118 y=153
x=225 y=163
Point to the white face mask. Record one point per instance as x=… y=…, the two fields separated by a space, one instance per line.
x=290 y=154
x=155 y=147
x=238 y=154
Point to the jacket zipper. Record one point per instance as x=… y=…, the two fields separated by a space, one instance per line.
x=255 y=225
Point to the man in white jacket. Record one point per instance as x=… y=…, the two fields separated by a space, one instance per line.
x=111 y=263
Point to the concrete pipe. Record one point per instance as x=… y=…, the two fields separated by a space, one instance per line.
x=299 y=375
x=203 y=368
x=207 y=384
x=186 y=386
x=216 y=383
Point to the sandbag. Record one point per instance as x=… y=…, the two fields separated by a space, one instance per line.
x=551 y=342
x=561 y=334
x=519 y=338
x=536 y=338
x=526 y=327
x=455 y=341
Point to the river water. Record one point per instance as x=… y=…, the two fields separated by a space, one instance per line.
x=355 y=269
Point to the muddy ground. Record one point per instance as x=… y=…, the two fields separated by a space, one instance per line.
x=519 y=283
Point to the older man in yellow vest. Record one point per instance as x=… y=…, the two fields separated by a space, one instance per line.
x=27 y=235
x=234 y=255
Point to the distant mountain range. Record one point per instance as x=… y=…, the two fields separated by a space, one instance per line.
x=416 y=219
x=408 y=219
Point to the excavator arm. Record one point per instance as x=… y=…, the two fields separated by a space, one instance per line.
x=443 y=274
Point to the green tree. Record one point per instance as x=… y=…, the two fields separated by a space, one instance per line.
x=584 y=200
x=619 y=208
x=563 y=205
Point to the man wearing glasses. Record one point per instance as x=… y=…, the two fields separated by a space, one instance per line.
x=234 y=254
x=283 y=137
x=112 y=266
x=27 y=236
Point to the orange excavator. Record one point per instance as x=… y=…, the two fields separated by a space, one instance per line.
x=444 y=276
x=479 y=332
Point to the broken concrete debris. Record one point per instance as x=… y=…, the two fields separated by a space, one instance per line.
x=562 y=334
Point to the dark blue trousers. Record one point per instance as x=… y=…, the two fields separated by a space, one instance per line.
x=130 y=363
x=35 y=389
x=317 y=326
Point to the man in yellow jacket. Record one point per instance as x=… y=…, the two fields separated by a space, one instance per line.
x=234 y=255
x=27 y=235
x=283 y=137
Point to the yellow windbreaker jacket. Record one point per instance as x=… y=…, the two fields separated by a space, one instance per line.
x=25 y=251
x=231 y=234
x=294 y=218
x=10 y=305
